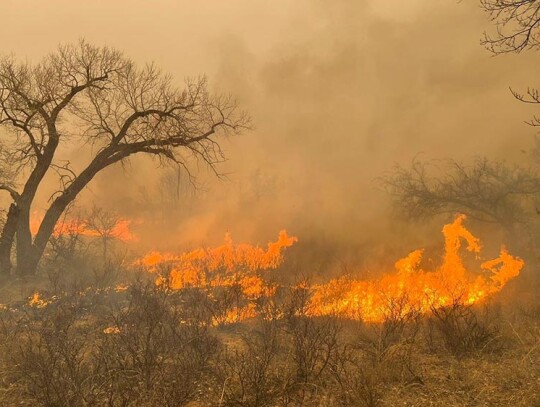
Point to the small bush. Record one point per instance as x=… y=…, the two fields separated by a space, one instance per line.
x=463 y=329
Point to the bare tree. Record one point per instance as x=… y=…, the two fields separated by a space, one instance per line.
x=489 y=191
x=95 y=95
x=517 y=25
x=103 y=223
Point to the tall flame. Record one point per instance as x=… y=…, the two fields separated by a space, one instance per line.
x=408 y=291
x=413 y=290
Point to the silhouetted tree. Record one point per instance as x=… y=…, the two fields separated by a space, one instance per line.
x=95 y=96
x=489 y=191
x=517 y=25
x=103 y=223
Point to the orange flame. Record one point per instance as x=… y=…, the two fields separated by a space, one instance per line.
x=36 y=301
x=410 y=291
x=111 y=330
x=413 y=290
x=121 y=229
x=224 y=265
x=228 y=265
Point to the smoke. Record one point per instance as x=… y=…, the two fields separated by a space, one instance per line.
x=339 y=92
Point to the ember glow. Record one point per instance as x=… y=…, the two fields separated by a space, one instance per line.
x=111 y=330
x=120 y=230
x=412 y=290
x=36 y=301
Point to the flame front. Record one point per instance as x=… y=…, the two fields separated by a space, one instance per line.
x=228 y=265
x=224 y=265
x=413 y=290
x=408 y=291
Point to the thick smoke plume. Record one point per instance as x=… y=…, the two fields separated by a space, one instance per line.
x=338 y=94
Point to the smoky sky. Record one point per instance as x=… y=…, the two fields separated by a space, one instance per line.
x=339 y=92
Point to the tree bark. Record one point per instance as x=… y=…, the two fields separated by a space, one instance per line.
x=28 y=262
x=6 y=239
x=27 y=256
x=24 y=239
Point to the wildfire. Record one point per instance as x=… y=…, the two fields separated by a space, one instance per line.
x=119 y=230
x=413 y=290
x=230 y=265
x=36 y=301
x=409 y=291
x=225 y=265
x=120 y=288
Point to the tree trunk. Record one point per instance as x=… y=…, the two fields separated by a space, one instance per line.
x=24 y=241
x=105 y=241
x=6 y=239
x=29 y=262
x=30 y=255
x=29 y=252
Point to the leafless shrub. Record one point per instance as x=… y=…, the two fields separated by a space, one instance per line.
x=358 y=383
x=286 y=302
x=140 y=354
x=314 y=342
x=67 y=244
x=465 y=330
x=389 y=346
x=151 y=356
x=49 y=358
x=196 y=306
x=225 y=303
x=399 y=327
x=251 y=373
x=110 y=272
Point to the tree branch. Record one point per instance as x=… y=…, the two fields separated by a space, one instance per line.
x=14 y=194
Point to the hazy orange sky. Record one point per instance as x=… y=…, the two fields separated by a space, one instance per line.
x=339 y=92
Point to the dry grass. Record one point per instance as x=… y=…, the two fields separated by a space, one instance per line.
x=160 y=351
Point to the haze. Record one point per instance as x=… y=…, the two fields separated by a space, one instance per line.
x=338 y=91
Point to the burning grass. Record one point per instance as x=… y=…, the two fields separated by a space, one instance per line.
x=408 y=291
x=211 y=327
x=117 y=228
x=413 y=290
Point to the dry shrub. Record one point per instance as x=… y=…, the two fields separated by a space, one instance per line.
x=465 y=329
x=153 y=356
x=314 y=342
x=153 y=346
x=251 y=372
x=389 y=348
x=224 y=300
x=398 y=329
x=358 y=383
x=141 y=354
x=49 y=357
